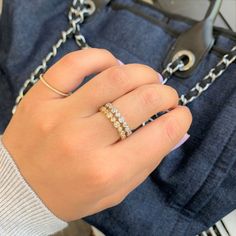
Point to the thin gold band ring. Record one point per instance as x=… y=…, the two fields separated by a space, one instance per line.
x=52 y=88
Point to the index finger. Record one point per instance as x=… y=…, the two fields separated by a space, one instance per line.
x=69 y=72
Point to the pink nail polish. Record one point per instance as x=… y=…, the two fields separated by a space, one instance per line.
x=160 y=78
x=121 y=63
x=182 y=141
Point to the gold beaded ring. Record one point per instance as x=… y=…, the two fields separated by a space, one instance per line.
x=117 y=120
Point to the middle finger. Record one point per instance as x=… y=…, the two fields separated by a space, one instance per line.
x=136 y=107
x=109 y=85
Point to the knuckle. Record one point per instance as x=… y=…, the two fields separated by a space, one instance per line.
x=41 y=122
x=147 y=68
x=45 y=123
x=151 y=75
x=114 y=199
x=118 y=78
x=187 y=115
x=117 y=199
x=173 y=93
x=102 y=177
x=173 y=129
x=25 y=106
x=149 y=95
x=177 y=125
x=68 y=146
x=105 y=53
x=43 y=126
x=70 y=58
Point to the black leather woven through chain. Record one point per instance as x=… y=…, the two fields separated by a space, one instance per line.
x=203 y=83
x=167 y=74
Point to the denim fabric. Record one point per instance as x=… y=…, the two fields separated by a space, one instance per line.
x=195 y=185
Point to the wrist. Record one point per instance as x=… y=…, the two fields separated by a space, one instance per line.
x=21 y=210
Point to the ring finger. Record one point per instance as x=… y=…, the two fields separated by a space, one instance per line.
x=136 y=107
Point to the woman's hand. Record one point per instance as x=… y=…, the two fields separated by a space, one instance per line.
x=69 y=152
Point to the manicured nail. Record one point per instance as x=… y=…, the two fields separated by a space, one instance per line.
x=160 y=78
x=182 y=141
x=121 y=63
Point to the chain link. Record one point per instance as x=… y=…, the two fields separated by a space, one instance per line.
x=208 y=80
x=201 y=86
x=79 y=10
x=171 y=68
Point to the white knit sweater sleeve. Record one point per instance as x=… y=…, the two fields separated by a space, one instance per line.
x=22 y=213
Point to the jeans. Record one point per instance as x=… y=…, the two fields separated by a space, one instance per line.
x=195 y=185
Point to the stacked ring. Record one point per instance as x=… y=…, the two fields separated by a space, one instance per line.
x=120 y=118
x=117 y=120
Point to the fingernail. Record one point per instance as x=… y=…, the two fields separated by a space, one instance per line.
x=160 y=78
x=182 y=141
x=121 y=63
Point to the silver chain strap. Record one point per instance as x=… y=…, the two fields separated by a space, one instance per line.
x=171 y=68
x=214 y=73
x=79 y=10
x=198 y=89
x=201 y=86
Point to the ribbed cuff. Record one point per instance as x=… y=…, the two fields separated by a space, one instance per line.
x=22 y=213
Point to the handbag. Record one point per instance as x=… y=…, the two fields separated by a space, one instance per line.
x=190 y=53
x=194 y=185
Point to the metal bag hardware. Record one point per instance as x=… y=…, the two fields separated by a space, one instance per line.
x=81 y=9
x=192 y=45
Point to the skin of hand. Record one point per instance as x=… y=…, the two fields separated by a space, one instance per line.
x=70 y=153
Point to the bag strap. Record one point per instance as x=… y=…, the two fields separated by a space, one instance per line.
x=195 y=43
x=199 y=87
x=79 y=10
x=206 y=82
